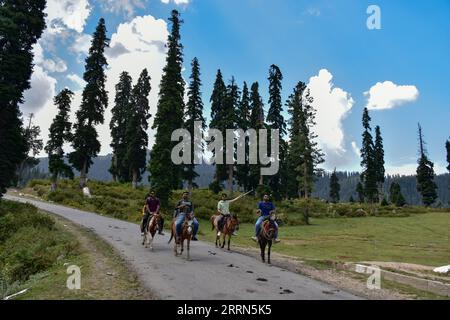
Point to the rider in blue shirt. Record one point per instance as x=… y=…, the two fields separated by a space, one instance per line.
x=185 y=206
x=265 y=209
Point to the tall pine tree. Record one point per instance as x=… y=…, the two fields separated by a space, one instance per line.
x=164 y=174
x=136 y=136
x=193 y=113
x=21 y=25
x=60 y=133
x=369 y=174
x=379 y=162
x=293 y=159
x=425 y=174
x=360 y=192
x=256 y=123
x=94 y=102
x=447 y=147
x=229 y=121
x=121 y=113
x=276 y=120
x=217 y=100
x=335 y=187
x=243 y=122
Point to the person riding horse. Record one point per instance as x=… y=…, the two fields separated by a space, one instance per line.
x=265 y=208
x=184 y=207
x=152 y=206
x=223 y=208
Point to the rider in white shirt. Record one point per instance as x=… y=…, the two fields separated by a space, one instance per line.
x=223 y=207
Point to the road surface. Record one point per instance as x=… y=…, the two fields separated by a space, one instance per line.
x=212 y=274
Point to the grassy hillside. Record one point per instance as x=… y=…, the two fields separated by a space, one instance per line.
x=30 y=244
x=122 y=202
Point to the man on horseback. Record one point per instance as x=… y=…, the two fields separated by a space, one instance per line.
x=152 y=206
x=265 y=208
x=184 y=207
x=223 y=208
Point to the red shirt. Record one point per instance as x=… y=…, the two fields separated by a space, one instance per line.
x=153 y=204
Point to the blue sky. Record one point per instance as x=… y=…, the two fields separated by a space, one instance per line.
x=402 y=71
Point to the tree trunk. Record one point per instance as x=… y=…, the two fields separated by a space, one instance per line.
x=230 y=179
x=135 y=178
x=54 y=185
x=261 y=180
x=190 y=187
x=83 y=175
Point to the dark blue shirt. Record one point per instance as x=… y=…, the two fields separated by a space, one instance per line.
x=265 y=208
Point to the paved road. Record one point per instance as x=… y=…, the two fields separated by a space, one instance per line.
x=212 y=273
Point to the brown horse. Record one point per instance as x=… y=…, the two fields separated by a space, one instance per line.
x=150 y=231
x=187 y=230
x=230 y=225
x=265 y=238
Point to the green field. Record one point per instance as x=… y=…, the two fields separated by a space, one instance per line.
x=422 y=239
x=343 y=232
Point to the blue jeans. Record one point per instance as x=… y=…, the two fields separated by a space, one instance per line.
x=179 y=223
x=258 y=226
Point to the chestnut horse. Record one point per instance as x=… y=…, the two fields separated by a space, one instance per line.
x=187 y=230
x=150 y=230
x=265 y=238
x=230 y=225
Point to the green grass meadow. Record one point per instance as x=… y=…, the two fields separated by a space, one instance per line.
x=337 y=232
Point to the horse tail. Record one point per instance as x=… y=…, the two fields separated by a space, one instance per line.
x=171 y=237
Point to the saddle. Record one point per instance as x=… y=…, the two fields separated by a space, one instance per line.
x=267 y=223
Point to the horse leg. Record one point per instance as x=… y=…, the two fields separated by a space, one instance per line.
x=224 y=239
x=229 y=240
x=262 y=245
x=217 y=239
x=188 y=244
x=175 y=247
x=268 y=251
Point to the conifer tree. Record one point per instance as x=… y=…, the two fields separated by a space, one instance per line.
x=256 y=123
x=121 y=113
x=360 y=192
x=217 y=100
x=379 y=161
x=136 y=137
x=194 y=112
x=60 y=133
x=369 y=174
x=243 y=119
x=21 y=25
x=335 y=187
x=229 y=121
x=447 y=146
x=425 y=174
x=276 y=120
x=295 y=109
x=164 y=174
x=396 y=197
x=94 y=102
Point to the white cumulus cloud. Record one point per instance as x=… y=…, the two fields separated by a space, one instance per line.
x=144 y=38
x=77 y=79
x=178 y=2
x=67 y=13
x=332 y=105
x=388 y=95
x=123 y=6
